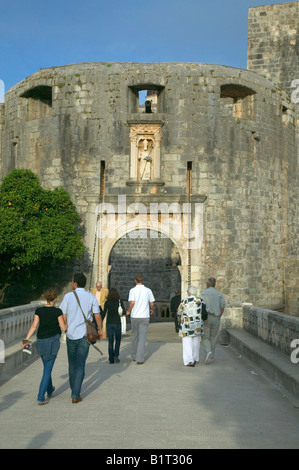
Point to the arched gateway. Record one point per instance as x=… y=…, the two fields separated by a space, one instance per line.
x=153 y=254
x=162 y=243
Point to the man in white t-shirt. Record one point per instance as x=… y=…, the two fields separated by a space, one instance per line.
x=140 y=308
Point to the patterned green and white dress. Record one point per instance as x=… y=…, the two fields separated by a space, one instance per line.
x=190 y=316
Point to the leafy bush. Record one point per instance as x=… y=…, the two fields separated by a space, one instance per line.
x=39 y=230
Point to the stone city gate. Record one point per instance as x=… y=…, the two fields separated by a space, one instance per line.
x=156 y=257
x=164 y=241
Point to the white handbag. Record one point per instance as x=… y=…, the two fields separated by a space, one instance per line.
x=120 y=310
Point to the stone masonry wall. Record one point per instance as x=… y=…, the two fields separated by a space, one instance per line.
x=273 y=42
x=276 y=329
x=273 y=51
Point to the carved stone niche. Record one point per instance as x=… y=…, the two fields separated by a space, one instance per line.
x=145 y=140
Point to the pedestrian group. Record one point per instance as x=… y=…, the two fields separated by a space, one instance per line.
x=196 y=318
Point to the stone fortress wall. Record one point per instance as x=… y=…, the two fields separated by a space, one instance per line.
x=273 y=52
x=221 y=138
x=273 y=45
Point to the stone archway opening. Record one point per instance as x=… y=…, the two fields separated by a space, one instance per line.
x=156 y=257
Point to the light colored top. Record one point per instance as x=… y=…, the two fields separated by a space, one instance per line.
x=76 y=327
x=142 y=296
x=214 y=300
x=101 y=296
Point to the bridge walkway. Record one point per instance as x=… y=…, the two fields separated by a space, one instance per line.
x=158 y=405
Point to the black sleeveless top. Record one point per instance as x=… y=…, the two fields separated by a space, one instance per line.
x=48 y=322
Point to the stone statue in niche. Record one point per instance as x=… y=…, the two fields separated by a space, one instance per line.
x=145 y=160
x=145 y=140
x=148 y=106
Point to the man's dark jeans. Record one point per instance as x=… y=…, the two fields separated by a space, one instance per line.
x=77 y=351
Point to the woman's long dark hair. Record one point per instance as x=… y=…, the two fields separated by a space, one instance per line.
x=113 y=294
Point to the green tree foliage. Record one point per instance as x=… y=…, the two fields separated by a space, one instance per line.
x=39 y=229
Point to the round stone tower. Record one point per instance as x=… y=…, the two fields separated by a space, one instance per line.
x=206 y=160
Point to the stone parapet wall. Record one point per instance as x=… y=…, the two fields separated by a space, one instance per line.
x=276 y=329
x=16 y=321
x=291 y=277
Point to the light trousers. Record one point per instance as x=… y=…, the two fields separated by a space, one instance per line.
x=123 y=321
x=211 y=331
x=139 y=329
x=191 y=347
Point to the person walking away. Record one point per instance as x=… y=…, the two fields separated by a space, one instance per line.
x=76 y=339
x=113 y=324
x=49 y=321
x=191 y=313
x=215 y=302
x=140 y=308
x=174 y=305
x=101 y=294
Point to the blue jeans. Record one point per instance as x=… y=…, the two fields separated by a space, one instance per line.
x=113 y=331
x=77 y=352
x=46 y=382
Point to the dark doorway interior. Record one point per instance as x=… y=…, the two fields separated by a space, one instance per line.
x=157 y=258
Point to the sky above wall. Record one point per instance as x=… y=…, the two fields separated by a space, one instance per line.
x=36 y=34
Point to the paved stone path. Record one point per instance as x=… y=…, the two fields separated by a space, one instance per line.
x=158 y=405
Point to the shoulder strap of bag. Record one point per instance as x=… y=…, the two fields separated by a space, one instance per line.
x=76 y=295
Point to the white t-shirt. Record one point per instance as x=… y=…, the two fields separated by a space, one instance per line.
x=142 y=296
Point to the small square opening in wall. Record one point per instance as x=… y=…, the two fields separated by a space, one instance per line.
x=41 y=93
x=238 y=98
x=37 y=102
x=146 y=99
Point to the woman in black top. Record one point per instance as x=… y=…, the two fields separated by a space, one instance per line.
x=50 y=322
x=113 y=324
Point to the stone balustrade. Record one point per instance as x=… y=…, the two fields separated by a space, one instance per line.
x=14 y=325
x=16 y=321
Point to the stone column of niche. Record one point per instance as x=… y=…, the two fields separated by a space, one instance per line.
x=134 y=150
x=157 y=153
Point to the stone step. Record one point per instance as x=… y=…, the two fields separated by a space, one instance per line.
x=270 y=362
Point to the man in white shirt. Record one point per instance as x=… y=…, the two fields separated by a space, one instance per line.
x=77 y=344
x=140 y=308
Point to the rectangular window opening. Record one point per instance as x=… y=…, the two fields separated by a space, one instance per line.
x=189 y=179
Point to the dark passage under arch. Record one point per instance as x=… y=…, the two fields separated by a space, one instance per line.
x=157 y=258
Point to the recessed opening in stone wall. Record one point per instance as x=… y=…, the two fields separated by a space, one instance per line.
x=238 y=98
x=38 y=102
x=42 y=93
x=157 y=258
x=146 y=99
